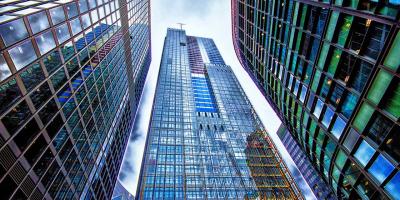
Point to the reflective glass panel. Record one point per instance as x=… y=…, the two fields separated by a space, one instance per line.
x=22 y=55
x=4 y=70
x=364 y=153
x=338 y=127
x=393 y=186
x=62 y=33
x=13 y=31
x=45 y=42
x=72 y=10
x=57 y=15
x=38 y=22
x=76 y=26
x=326 y=121
x=381 y=168
x=318 y=108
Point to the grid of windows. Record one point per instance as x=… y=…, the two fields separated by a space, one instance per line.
x=71 y=75
x=193 y=154
x=329 y=69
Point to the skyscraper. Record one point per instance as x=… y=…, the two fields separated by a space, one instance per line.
x=71 y=77
x=204 y=140
x=330 y=69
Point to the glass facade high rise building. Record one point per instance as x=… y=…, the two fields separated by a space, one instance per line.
x=71 y=76
x=204 y=139
x=330 y=69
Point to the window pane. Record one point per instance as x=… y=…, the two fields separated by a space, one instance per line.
x=326 y=121
x=45 y=42
x=381 y=168
x=38 y=22
x=392 y=144
x=22 y=55
x=13 y=31
x=338 y=127
x=62 y=33
x=379 y=85
x=32 y=76
x=364 y=153
x=361 y=74
x=351 y=139
x=349 y=103
x=379 y=128
x=83 y=6
x=4 y=70
x=392 y=103
x=76 y=26
x=363 y=116
x=41 y=95
x=318 y=108
x=52 y=61
x=393 y=186
x=9 y=93
x=392 y=59
x=16 y=117
x=57 y=15
x=72 y=10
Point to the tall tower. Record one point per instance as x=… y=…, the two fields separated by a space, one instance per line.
x=71 y=74
x=204 y=140
x=330 y=69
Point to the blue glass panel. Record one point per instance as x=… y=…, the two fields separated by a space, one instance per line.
x=364 y=153
x=326 y=121
x=393 y=186
x=381 y=168
x=338 y=127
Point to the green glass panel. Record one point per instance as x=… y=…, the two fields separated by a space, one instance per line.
x=323 y=55
x=379 y=86
x=332 y=26
x=363 y=116
x=344 y=30
x=340 y=159
x=392 y=60
x=336 y=173
x=317 y=76
x=334 y=61
x=393 y=103
x=303 y=16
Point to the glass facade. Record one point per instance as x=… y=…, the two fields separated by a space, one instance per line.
x=71 y=77
x=204 y=140
x=329 y=69
x=317 y=184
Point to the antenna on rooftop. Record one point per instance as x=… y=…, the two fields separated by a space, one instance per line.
x=181 y=25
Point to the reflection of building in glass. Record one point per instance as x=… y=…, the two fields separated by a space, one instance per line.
x=120 y=192
x=330 y=69
x=314 y=180
x=71 y=75
x=200 y=122
x=266 y=171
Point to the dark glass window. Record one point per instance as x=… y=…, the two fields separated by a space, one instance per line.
x=59 y=79
x=34 y=151
x=7 y=186
x=32 y=76
x=392 y=146
x=67 y=51
x=13 y=32
x=361 y=74
x=9 y=93
x=48 y=111
x=345 y=67
x=26 y=135
x=16 y=117
x=376 y=39
x=52 y=61
x=40 y=95
x=43 y=163
x=379 y=128
x=336 y=95
x=54 y=126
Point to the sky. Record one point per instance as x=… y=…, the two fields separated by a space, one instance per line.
x=204 y=18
